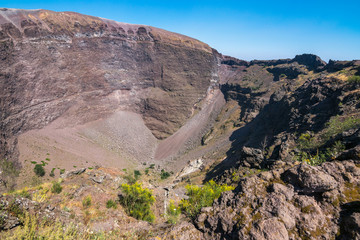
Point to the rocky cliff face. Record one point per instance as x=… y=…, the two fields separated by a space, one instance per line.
x=275 y=113
x=83 y=68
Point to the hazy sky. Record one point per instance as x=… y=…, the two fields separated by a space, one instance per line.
x=244 y=29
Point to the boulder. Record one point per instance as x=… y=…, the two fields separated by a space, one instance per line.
x=73 y=172
x=269 y=229
x=251 y=157
x=288 y=192
x=353 y=154
x=309 y=179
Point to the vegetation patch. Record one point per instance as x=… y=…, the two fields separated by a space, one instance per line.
x=338 y=125
x=56 y=187
x=132 y=178
x=200 y=197
x=137 y=201
x=173 y=213
x=306 y=145
x=354 y=79
x=24 y=193
x=86 y=202
x=36 y=228
x=39 y=170
x=111 y=204
x=164 y=174
x=52 y=173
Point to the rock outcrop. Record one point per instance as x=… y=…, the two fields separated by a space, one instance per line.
x=290 y=203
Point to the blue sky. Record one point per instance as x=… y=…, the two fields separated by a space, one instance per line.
x=243 y=29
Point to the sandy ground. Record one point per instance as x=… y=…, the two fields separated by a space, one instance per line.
x=119 y=140
x=110 y=142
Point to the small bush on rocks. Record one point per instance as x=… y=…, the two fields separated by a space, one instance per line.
x=200 y=197
x=137 y=201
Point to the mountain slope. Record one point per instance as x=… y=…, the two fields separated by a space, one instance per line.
x=78 y=69
x=85 y=97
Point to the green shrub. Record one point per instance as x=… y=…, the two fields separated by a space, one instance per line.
x=62 y=171
x=354 y=79
x=164 y=174
x=338 y=125
x=200 y=197
x=39 y=170
x=321 y=157
x=137 y=174
x=86 y=202
x=305 y=141
x=335 y=150
x=172 y=213
x=312 y=160
x=137 y=201
x=152 y=166
x=111 y=204
x=52 y=173
x=56 y=187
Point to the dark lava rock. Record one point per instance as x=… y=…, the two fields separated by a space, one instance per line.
x=290 y=71
x=334 y=66
x=312 y=61
x=353 y=153
x=350 y=221
x=251 y=157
